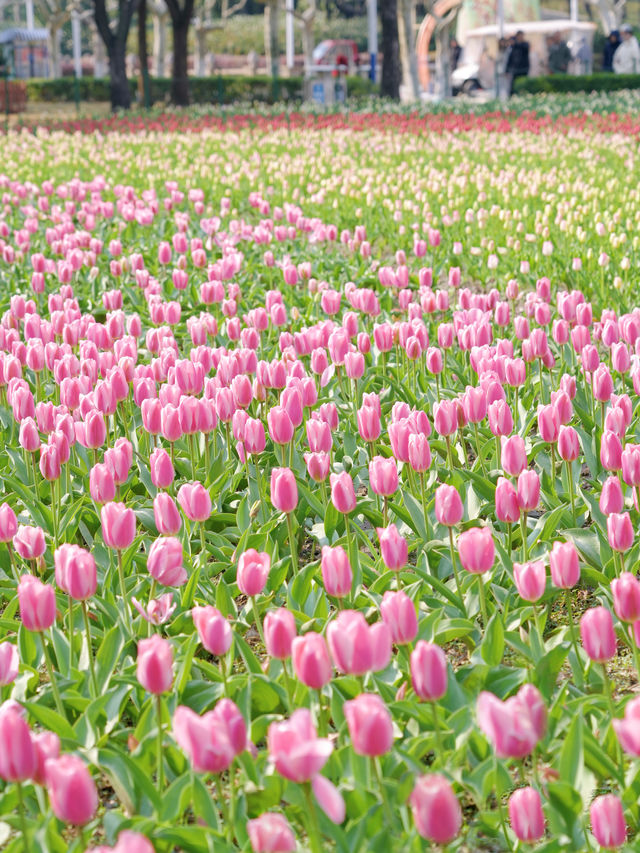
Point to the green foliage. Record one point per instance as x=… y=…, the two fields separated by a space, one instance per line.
x=601 y=82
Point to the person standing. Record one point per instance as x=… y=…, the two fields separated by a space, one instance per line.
x=610 y=46
x=518 y=61
x=626 y=59
x=559 y=55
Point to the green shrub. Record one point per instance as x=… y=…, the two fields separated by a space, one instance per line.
x=222 y=89
x=601 y=82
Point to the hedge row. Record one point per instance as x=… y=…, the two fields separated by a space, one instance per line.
x=602 y=82
x=223 y=89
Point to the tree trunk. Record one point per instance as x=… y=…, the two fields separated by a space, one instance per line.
x=271 y=46
x=143 y=55
x=180 y=82
x=159 y=42
x=443 y=64
x=53 y=44
x=99 y=55
x=391 y=71
x=201 y=31
x=406 y=35
x=119 y=84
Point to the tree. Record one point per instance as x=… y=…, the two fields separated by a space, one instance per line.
x=56 y=13
x=391 y=71
x=180 y=20
x=406 y=36
x=143 y=53
x=115 y=41
x=611 y=13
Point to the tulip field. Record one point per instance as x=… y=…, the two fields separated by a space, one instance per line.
x=319 y=485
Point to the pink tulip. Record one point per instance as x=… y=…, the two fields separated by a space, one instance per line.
x=253 y=571
x=279 y=633
x=628 y=730
x=428 y=671
x=476 y=550
x=598 y=635
x=418 y=453
x=318 y=466
x=383 y=475
x=343 y=495
x=118 y=525
x=18 y=760
x=507 y=507
x=155 y=664
x=164 y=562
x=166 y=514
x=271 y=833
x=213 y=629
x=102 y=487
x=280 y=426
x=195 y=501
x=436 y=810
x=449 y=509
x=370 y=724
x=611 y=497
x=356 y=647
x=284 y=489
x=37 y=603
x=296 y=751
x=204 y=739
x=75 y=571
x=626 y=597
x=161 y=466
x=526 y=815
x=46 y=745
x=515 y=726
x=607 y=821
x=29 y=542
x=393 y=547
x=8 y=523
x=530 y=579
x=9 y=663
x=158 y=611
x=513 y=456
x=337 y=576
x=72 y=791
x=620 y=531
x=399 y=613
x=610 y=451
x=311 y=662
x=565 y=565
x=528 y=490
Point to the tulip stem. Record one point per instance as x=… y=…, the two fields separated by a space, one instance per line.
x=553 y=468
x=92 y=665
x=23 y=818
x=572 y=627
x=483 y=602
x=634 y=649
x=438 y=732
x=455 y=571
x=573 y=497
x=256 y=615
x=313 y=828
x=223 y=805
x=449 y=456
x=292 y=544
x=536 y=621
x=14 y=568
x=54 y=513
x=385 y=803
x=424 y=503
x=523 y=530
x=500 y=807
x=612 y=712
x=54 y=686
x=323 y=723
x=203 y=544
x=70 y=635
x=160 y=768
x=287 y=684
x=83 y=839
x=479 y=455
x=123 y=591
